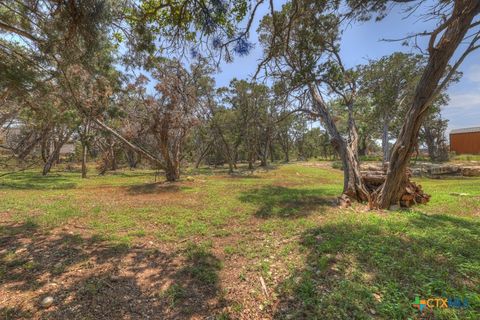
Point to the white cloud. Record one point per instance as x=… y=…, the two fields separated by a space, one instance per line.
x=473 y=73
x=462 y=111
x=463 y=102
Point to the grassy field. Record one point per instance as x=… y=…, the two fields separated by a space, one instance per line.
x=123 y=246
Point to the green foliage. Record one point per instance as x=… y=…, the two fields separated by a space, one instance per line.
x=189 y=21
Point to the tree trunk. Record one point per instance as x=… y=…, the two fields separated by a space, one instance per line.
x=228 y=154
x=132 y=158
x=428 y=86
x=352 y=178
x=263 y=161
x=432 y=145
x=84 y=160
x=301 y=154
x=55 y=154
x=272 y=155
x=353 y=185
x=172 y=169
x=114 y=165
x=283 y=139
x=250 y=160
x=264 y=153
x=172 y=172
x=202 y=156
x=264 y=157
x=385 y=143
x=44 y=149
x=84 y=138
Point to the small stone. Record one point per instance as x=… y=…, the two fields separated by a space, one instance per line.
x=189 y=178
x=372 y=311
x=47 y=302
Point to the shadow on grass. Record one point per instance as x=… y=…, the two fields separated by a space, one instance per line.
x=365 y=268
x=242 y=171
x=94 y=279
x=285 y=202
x=237 y=175
x=35 y=181
x=151 y=188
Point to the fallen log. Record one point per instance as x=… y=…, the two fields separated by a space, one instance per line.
x=373 y=179
x=412 y=194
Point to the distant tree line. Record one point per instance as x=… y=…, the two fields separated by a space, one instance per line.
x=96 y=71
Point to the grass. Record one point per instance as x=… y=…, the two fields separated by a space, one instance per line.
x=318 y=261
x=466 y=157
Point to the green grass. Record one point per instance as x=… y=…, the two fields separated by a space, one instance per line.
x=320 y=262
x=466 y=157
x=395 y=257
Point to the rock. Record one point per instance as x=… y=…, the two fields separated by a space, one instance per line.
x=443 y=169
x=471 y=171
x=190 y=178
x=47 y=302
x=377 y=297
x=394 y=207
x=418 y=172
x=372 y=311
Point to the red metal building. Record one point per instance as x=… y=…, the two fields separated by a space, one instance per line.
x=465 y=141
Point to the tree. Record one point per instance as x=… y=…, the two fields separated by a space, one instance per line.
x=389 y=83
x=223 y=125
x=302 y=50
x=301 y=41
x=56 y=34
x=284 y=133
x=433 y=134
x=456 y=20
x=166 y=117
x=251 y=103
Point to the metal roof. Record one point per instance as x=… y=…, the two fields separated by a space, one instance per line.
x=465 y=130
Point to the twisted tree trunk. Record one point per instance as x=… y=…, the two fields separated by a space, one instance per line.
x=353 y=185
x=429 y=85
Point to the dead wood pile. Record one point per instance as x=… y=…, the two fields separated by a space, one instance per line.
x=374 y=177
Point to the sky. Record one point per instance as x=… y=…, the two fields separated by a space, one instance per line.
x=363 y=41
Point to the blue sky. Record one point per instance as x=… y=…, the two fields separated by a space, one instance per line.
x=361 y=42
